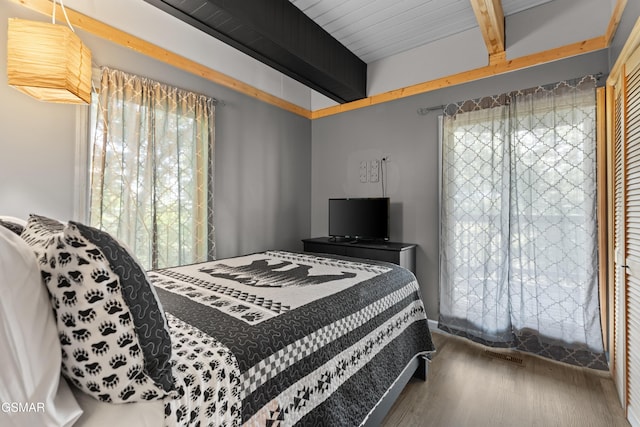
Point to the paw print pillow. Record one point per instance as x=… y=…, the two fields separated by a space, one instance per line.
x=14 y=224
x=114 y=335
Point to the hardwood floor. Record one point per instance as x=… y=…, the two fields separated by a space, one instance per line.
x=467 y=388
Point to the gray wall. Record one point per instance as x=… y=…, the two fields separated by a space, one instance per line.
x=37 y=145
x=263 y=154
x=395 y=129
x=629 y=18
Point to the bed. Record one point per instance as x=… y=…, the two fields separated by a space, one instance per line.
x=271 y=338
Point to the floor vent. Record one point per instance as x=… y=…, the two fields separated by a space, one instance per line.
x=505 y=356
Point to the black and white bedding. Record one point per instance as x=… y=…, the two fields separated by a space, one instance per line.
x=279 y=338
x=273 y=338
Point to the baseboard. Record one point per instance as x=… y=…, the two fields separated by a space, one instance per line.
x=632 y=418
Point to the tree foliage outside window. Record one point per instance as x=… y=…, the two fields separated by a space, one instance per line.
x=152 y=169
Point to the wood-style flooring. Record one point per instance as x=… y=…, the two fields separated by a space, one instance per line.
x=468 y=388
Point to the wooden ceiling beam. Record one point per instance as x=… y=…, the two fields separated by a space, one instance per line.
x=490 y=18
x=615 y=20
x=280 y=35
x=112 y=34
x=555 y=54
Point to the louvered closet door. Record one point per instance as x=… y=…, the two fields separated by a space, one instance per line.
x=619 y=335
x=631 y=188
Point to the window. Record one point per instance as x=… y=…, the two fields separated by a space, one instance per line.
x=519 y=230
x=151 y=173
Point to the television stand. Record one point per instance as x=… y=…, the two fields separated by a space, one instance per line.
x=403 y=254
x=340 y=240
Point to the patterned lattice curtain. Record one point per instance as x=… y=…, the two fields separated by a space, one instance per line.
x=518 y=230
x=152 y=169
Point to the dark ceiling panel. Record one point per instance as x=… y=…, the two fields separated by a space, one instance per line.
x=280 y=35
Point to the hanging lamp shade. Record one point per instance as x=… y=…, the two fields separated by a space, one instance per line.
x=48 y=62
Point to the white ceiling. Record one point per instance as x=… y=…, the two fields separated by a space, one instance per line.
x=377 y=29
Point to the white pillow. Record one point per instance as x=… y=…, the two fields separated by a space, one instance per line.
x=114 y=337
x=32 y=392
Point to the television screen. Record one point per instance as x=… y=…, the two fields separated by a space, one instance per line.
x=365 y=219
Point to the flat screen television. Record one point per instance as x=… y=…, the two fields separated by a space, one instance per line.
x=359 y=218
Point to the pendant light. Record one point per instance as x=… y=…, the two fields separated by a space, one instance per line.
x=48 y=61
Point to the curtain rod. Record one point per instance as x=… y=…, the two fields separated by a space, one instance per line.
x=97 y=71
x=426 y=110
x=423 y=111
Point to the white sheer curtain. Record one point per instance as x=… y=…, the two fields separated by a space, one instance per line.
x=475 y=222
x=519 y=244
x=152 y=169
